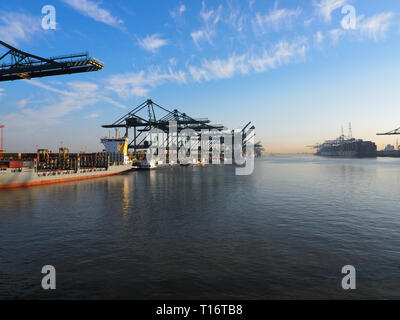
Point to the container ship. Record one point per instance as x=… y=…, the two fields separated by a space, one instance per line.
x=390 y=151
x=46 y=167
x=347 y=147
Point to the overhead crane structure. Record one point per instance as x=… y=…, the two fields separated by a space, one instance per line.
x=150 y=115
x=23 y=65
x=390 y=133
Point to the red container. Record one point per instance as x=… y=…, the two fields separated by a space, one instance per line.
x=15 y=164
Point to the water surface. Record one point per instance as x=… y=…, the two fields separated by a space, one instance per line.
x=202 y=232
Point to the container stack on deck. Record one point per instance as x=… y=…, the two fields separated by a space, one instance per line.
x=45 y=160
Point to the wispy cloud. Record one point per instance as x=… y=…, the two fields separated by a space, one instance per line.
x=16 y=27
x=152 y=43
x=282 y=53
x=113 y=102
x=210 y=19
x=34 y=120
x=99 y=94
x=276 y=18
x=308 y=22
x=326 y=7
x=77 y=95
x=140 y=83
x=251 y=3
x=93 y=115
x=376 y=26
x=319 y=38
x=336 y=34
x=219 y=68
x=93 y=10
x=23 y=102
x=178 y=12
x=235 y=17
x=47 y=87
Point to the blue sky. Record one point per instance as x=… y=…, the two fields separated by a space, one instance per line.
x=289 y=66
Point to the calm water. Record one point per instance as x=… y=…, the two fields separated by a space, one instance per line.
x=202 y=232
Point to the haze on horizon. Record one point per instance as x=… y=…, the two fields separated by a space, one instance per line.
x=288 y=66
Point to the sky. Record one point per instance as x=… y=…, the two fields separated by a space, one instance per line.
x=299 y=70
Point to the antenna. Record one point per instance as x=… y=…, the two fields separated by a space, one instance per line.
x=350 y=131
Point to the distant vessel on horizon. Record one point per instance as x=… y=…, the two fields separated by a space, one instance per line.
x=258 y=149
x=390 y=151
x=347 y=147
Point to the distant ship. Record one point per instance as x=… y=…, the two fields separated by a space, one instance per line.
x=390 y=151
x=258 y=149
x=46 y=167
x=347 y=147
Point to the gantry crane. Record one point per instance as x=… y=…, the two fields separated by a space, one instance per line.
x=390 y=133
x=23 y=65
x=149 y=115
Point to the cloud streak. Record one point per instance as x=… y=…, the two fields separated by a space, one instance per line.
x=280 y=54
x=325 y=8
x=16 y=27
x=336 y=34
x=140 y=83
x=319 y=38
x=152 y=43
x=376 y=26
x=78 y=95
x=178 y=12
x=93 y=10
x=210 y=19
x=276 y=18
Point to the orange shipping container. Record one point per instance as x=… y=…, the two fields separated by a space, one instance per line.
x=15 y=164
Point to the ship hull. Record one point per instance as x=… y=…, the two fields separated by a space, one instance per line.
x=29 y=177
x=350 y=154
x=348 y=149
x=389 y=154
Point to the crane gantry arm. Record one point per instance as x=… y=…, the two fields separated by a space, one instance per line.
x=390 y=133
x=23 y=65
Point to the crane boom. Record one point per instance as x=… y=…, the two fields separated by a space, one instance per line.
x=390 y=133
x=23 y=65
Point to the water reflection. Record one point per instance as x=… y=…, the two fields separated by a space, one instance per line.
x=202 y=232
x=126 y=196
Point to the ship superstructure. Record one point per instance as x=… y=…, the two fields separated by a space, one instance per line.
x=347 y=146
x=117 y=147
